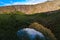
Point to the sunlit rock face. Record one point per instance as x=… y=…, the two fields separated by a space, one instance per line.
x=30 y=34
x=50 y=5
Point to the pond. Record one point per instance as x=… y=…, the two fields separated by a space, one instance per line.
x=30 y=34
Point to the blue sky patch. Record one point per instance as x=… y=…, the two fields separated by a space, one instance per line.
x=19 y=2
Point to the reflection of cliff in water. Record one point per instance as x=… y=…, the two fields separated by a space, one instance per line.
x=30 y=34
x=35 y=32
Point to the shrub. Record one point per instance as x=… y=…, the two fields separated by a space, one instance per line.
x=47 y=32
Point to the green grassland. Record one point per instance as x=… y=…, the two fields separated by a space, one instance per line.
x=10 y=23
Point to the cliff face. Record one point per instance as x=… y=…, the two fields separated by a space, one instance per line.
x=28 y=9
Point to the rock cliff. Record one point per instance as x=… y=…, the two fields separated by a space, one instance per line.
x=29 y=9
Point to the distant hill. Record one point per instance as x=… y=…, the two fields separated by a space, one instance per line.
x=29 y=9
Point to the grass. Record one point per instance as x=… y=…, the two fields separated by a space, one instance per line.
x=10 y=23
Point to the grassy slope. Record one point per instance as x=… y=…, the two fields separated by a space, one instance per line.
x=10 y=23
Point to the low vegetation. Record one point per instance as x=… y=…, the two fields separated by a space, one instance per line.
x=10 y=23
x=47 y=32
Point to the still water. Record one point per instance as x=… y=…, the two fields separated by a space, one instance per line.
x=30 y=34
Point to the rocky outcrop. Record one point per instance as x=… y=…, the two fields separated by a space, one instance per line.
x=29 y=9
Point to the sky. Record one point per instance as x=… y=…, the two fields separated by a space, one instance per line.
x=20 y=2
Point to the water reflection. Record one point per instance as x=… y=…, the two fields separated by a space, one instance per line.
x=30 y=34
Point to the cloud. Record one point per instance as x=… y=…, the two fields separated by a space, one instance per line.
x=28 y=2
